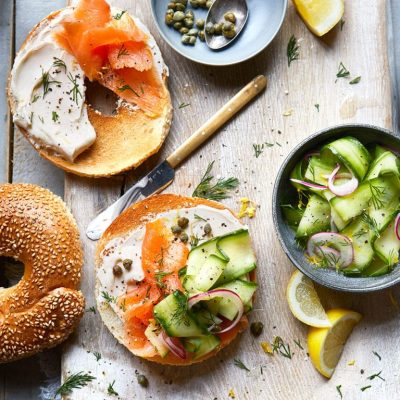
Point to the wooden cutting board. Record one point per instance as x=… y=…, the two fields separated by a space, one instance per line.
x=299 y=101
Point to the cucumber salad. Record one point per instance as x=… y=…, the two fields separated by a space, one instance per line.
x=347 y=216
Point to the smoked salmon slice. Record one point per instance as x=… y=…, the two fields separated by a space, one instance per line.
x=113 y=50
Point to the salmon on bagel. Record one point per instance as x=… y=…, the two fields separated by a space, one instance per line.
x=45 y=306
x=86 y=44
x=175 y=278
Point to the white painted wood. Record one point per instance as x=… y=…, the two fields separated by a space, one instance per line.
x=361 y=46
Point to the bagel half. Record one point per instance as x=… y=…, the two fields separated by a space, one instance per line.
x=42 y=310
x=135 y=217
x=124 y=140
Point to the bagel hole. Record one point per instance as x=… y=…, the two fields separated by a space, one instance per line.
x=100 y=98
x=11 y=271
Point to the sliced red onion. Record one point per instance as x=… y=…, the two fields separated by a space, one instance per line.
x=397 y=226
x=342 y=175
x=224 y=293
x=309 y=184
x=342 y=254
x=344 y=189
x=174 y=345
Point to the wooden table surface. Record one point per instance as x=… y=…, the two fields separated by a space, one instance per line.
x=363 y=46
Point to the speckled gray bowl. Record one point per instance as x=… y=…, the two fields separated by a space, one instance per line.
x=284 y=191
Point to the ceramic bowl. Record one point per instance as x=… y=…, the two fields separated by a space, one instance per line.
x=265 y=20
x=284 y=192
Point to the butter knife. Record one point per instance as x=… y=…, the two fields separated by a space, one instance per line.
x=163 y=174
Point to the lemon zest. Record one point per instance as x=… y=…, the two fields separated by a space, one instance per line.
x=267 y=348
x=352 y=362
x=247 y=208
x=231 y=394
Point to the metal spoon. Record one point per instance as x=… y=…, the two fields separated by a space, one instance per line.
x=216 y=14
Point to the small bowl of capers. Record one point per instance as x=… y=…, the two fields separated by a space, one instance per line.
x=185 y=26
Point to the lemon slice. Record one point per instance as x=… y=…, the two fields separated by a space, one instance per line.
x=304 y=302
x=325 y=345
x=320 y=15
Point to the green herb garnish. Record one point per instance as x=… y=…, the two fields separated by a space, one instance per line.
x=35 y=98
x=338 y=388
x=365 y=388
x=377 y=355
x=343 y=72
x=194 y=240
x=58 y=63
x=316 y=106
x=31 y=117
x=180 y=314
x=259 y=148
x=377 y=375
x=196 y=216
x=108 y=298
x=292 y=50
x=239 y=363
x=219 y=191
x=75 y=88
x=54 y=116
x=372 y=224
x=160 y=276
x=91 y=309
x=127 y=87
x=281 y=347
x=355 y=80
x=41 y=119
x=76 y=381
x=122 y=51
x=298 y=343
x=376 y=193
x=111 y=390
x=97 y=355
x=119 y=15
x=47 y=81
x=183 y=105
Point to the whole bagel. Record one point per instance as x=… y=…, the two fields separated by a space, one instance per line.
x=40 y=312
x=132 y=218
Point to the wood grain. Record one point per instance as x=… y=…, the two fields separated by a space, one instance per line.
x=361 y=46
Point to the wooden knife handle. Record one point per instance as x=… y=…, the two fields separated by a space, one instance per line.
x=224 y=114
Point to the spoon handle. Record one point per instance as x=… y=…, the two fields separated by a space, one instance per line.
x=223 y=115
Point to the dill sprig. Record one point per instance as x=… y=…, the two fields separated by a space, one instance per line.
x=184 y=105
x=376 y=193
x=316 y=106
x=281 y=347
x=338 y=389
x=194 y=240
x=377 y=375
x=75 y=88
x=108 y=298
x=219 y=191
x=97 y=355
x=123 y=51
x=196 y=216
x=58 y=63
x=239 y=364
x=292 y=50
x=119 y=15
x=91 y=309
x=35 y=98
x=47 y=81
x=111 y=390
x=54 y=116
x=365 y=388
x=355 y=80
x=259 y=148
x=343 y=72
x=342 y=22
x=160 y=275
x=128 y=87
x=76 y=381
x=180 y=314
x=298 y=343
x=377 y=355
x=372 y=224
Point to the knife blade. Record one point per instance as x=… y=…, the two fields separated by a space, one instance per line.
x=154 y=182
x=163 y=175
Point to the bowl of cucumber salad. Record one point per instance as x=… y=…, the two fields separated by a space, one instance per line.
x=336 y=208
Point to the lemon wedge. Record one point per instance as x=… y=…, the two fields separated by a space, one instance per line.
x=320 y=15
x=304 y=302
x=325 y=345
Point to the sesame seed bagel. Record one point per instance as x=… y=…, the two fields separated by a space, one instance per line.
x=39 y=312
x=134 y=217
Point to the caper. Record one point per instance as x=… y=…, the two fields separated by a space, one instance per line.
x=184 y=2
x=189 y=14
x=202 y=3
x=200 y=23
x=179 y=16
x=194 y=3
x=117 y=270
x=127 y=263
x=230 y=16
x=176 y=230
x=188 y=22
x=183 y=222
x=210 y=28
x=192 y=41
x=218 y=28
x=171 y=5
x=169 y=19
x=180 y=7
x=170 y=11
x=184 y=236
x=142 y=380
x=230 y=34
x=256 y=328
x=183 y=30
x=227 y=26
x=207 y=229
x=209 y=3
x=193 y=32
x=185 y=39
x=202 y=36
x=178 y=25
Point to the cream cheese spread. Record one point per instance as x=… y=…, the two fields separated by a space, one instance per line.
x=47 y=85
x=129 y=246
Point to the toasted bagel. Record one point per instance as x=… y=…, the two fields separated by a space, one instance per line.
x=123 y=140
x=42 y=310
x=136 y=217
